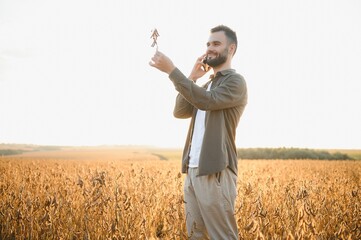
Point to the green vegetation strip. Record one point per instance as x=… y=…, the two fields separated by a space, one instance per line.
x=290 y=153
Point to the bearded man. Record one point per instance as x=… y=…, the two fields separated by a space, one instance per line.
x=210 y=153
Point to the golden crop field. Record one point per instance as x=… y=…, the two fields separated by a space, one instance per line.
x=137 y=194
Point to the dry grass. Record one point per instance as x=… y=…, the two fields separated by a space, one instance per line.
x=131 y=194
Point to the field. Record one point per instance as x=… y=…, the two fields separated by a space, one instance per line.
x=130 y=193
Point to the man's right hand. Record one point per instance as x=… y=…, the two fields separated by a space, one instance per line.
x=198 y=70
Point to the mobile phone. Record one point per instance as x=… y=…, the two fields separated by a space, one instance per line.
x=205 y=66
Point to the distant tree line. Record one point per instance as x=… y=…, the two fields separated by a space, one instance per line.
x=289 y=153
x=5 y=152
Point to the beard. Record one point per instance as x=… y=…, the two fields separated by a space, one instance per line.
x=219 y=60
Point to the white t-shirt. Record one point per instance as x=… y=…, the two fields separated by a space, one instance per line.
x=197 y=138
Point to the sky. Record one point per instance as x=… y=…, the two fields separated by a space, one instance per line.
x=76 y=72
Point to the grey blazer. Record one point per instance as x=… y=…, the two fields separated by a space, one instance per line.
x=224 y=105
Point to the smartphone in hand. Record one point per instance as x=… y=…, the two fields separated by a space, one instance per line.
x=205 y=66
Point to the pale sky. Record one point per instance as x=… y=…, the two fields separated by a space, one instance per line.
x=76 y=72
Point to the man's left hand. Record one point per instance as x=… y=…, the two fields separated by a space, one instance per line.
x=162 y=62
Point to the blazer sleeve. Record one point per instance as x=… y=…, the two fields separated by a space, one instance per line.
x=229 y=93
x=182 y=108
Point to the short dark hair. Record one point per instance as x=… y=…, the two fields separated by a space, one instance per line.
x=230 y=34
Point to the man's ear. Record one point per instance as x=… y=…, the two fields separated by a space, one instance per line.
x=232 y=49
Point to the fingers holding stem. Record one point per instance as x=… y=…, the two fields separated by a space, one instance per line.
x=162 y=62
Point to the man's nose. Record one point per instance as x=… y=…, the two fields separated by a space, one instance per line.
x=209 y=50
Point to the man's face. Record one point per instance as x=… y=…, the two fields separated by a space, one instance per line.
x=217 y=49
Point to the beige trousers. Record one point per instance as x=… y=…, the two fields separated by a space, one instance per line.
x=209 y=205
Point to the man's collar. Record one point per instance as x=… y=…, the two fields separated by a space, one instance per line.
x=222 y=73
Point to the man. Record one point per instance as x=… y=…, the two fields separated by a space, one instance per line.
x=210 y=154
